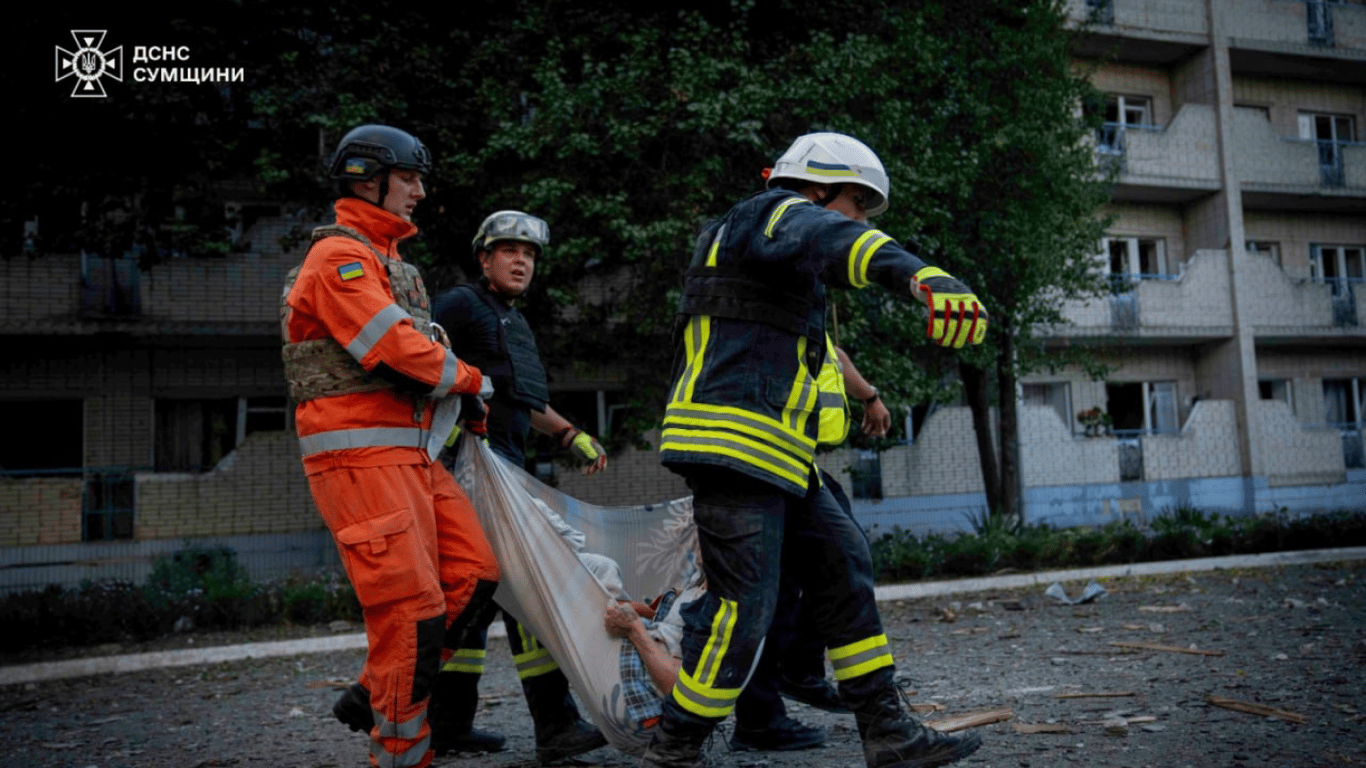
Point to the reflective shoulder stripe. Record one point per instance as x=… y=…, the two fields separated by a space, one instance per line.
x=779 y=211
x=715 y=246
x=862 y=253
x=374 y=330
x=860 y=658
x=372 y=437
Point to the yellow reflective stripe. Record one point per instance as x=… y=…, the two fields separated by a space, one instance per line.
x=692 y=435
x=715 y=246
x=801 y=400
x=735 y=447
x=714 y=652
x=860 y=658
x=695 y=346
x=469 y=660
x=927 y=272
x=756 y=425
x=703 y=700
x=779 y=211
x=534 y=662
x=861 y=254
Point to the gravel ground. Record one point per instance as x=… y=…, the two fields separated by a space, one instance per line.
x=1079 y=683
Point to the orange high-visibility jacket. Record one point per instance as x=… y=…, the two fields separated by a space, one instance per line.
x=342 y=292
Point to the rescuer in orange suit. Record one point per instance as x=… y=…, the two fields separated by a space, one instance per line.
x=378 y=394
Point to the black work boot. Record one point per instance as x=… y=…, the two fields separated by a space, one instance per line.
x=893 y=739
x=676 y=745
x=451 y=715
x=353 y=709
x=560 y=732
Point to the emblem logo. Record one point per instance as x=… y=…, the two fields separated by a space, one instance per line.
x=89 y=64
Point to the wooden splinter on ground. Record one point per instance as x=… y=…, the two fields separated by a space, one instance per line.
x=1253 y=708
x=970 y=720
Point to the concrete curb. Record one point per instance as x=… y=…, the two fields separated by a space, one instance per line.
x=30 y=673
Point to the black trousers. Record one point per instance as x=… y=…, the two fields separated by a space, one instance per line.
x=751 y=534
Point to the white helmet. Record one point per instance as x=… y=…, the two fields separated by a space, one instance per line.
x=833 y=158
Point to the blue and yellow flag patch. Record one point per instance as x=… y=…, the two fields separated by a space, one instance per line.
x=351 y=271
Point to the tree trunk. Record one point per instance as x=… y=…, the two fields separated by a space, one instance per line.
x=975 y=388
x=1011 y=487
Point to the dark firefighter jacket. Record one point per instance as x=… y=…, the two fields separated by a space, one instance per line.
x=752 y=326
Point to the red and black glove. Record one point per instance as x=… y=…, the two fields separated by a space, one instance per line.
x=956 y=316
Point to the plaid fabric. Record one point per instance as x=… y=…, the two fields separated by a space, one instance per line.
x=644 y=706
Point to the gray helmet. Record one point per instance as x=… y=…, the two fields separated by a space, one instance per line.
x=512 y=225
x=833 y=158
x=369 y=149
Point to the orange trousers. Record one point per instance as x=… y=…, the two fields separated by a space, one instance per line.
x=415 y=553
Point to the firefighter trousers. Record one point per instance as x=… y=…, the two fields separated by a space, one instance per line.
x=421 y=567
x=750 y=534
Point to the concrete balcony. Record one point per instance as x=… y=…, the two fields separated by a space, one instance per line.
x=1174 y=164
x=1191 y=306
x=1159 y=32
x=83 y=294
x=1320 y=29
x=1296 y=174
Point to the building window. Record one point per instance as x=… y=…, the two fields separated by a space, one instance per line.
x=44 y=436
x=1343 y=268
x=108 y=506
x=1135 y=258
x=1330 y=132
x=1275 y=389
x=110 y=286
x=1056 y=395
x=1121 y=113
x=1267 y=248
x=1344 y=401
x=263 y=414
x=194 y=435
x=1143 y=407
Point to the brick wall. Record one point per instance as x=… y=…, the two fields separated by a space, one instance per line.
x=1295 y=454
x=259 y=488
x=1185 y=150
x=943 y=459
x=40 y=510
x=1050 y=455
x=1206 y=446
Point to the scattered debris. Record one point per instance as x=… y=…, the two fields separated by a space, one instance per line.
x=1095 y=695
x=1252 y=708
x=1165 y=648
x=336 y=685
x=1091 y=592
x=929 y=706
x=971 y=720
x=1116 y=726
x=1042 y=728
x=1182 y=608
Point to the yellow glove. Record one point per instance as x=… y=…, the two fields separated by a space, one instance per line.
x=585 y=447
x=956 y=316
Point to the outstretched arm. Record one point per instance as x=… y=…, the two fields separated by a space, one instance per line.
x=621 y=620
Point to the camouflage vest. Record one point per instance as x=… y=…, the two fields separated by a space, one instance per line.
x=322 y=367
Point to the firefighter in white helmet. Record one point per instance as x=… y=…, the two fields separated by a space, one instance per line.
x=742 y=424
